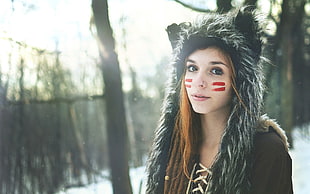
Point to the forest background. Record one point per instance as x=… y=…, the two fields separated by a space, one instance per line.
x=82 y=83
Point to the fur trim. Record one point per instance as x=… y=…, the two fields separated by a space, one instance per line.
x=265 y=123
x=240 y=32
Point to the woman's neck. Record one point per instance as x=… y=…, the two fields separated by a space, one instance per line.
x=213 y=126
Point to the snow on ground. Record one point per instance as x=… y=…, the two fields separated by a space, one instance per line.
x=105 y=187
x=301 y=173
x=301 y=164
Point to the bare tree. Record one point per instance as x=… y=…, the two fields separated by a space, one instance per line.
x=292 y=13
x=301 y=69
x=115 y=109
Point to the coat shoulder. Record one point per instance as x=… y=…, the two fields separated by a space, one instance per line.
x=269 y=142
x=270 y=135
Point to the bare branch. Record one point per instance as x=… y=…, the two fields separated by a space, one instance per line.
x=24 y=45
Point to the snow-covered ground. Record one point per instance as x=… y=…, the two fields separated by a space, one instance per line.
x=301 y=164
x=105 y=187
x=301 y=172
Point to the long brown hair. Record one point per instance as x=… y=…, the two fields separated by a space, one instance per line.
x=189 y=124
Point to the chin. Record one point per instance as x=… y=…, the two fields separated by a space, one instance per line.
x=200 y=111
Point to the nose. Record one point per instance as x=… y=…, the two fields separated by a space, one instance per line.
x=201 y=82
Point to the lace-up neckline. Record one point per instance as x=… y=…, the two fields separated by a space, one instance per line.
x=203 y=176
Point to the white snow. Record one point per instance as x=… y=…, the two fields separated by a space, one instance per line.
x=301 y=172
x=301 y=164
x=105 y=187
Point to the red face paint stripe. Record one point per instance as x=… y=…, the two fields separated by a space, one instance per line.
x=188 y=86
x=219 y=89
x=188 y=80
x=218 y=83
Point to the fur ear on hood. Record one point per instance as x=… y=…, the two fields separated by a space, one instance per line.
x=239 y=32
x=247 y=23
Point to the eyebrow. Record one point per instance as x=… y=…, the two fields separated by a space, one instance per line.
x=217 y=63
x=212 y=62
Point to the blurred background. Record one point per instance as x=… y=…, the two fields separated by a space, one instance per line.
x=82 y=83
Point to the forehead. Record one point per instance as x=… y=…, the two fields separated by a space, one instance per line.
x=210 y=54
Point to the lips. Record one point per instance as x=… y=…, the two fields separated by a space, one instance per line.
x=199 y=97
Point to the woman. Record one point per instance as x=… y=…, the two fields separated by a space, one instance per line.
x=212 y=136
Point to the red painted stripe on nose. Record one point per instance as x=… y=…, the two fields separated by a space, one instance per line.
x=219 y=89
x=188 y=80
x=218 y=83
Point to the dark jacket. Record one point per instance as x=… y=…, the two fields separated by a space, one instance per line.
x=238 y=168
x=272 y=170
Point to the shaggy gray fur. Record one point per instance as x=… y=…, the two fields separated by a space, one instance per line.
x=240 y=31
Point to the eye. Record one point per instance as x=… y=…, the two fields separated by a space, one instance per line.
x=217 y=71
x=191 y=68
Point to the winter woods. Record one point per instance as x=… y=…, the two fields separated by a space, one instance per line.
x=56 y=105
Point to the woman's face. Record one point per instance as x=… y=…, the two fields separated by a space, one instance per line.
x=208 y=81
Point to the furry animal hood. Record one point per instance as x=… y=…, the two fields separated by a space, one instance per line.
x=239 y=33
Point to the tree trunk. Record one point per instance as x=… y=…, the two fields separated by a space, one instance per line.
x=301 y=103
x=284 y=59
x=115 y=109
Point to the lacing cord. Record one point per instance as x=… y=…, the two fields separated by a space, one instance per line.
x=202 y=181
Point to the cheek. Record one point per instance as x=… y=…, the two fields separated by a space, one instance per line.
x=226 y=95
x=218 y=86
x=187 y=87
x=223 y=90
x=188 y=83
